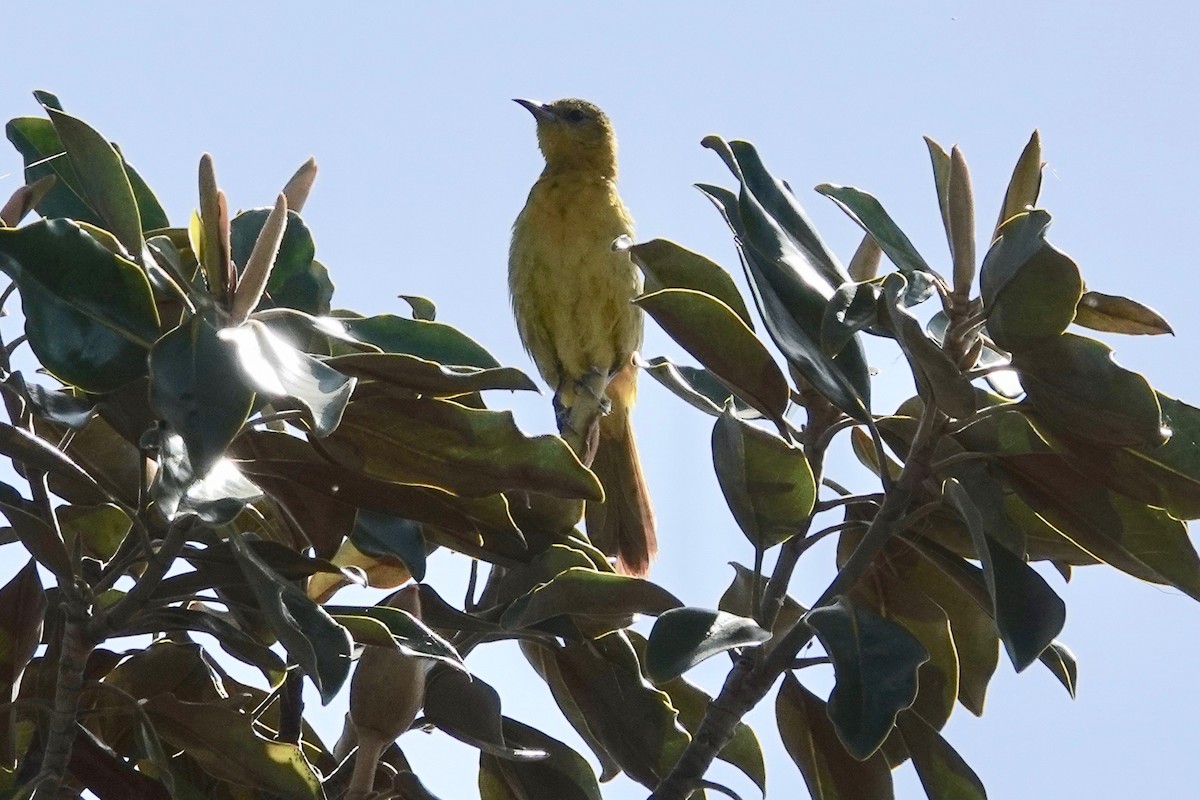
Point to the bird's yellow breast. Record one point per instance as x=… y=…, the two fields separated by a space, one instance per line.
x=570 y=291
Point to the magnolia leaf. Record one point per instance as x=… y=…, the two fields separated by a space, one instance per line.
x=670 y=266
x=683 y=637
x=1116 y=314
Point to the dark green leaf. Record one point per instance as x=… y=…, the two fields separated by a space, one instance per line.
x=943 y=773
x=563 y=774
x=197 y=387
x=712 y=332
x=935 y=372
x=432 y=341
x=412 y=636
x=22 y=609
x=851 y=309
x=33 y=452
x=383 y=534
x=59 y=407
x=584 y=591
x=809 y=737
x=35 y=534
x=468 y=709
x=1061 y=663
x=288 y=376
x=632 y=722
x=1028 y=613
x=742 y=750
x=1075 y=386
x=875 y=662
x=768 y=484
x=1030 y=288
x=89 y=314
x=223 y=741
x=234 y=640
x=101 y=174
x=683 y=637
x=39 y=146
x=296 y=280
x=871 y=217
x=940 y=160
x=429 y=377
x=470 y=452
x=696 y=386
x=791 y=295
x=422 y=307
x=318 y=644
x=1116 y=314
x=670 y=266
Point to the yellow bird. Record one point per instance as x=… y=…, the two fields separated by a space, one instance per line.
x=571 y=294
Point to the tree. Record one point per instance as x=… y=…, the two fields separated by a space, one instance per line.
x=226 y=450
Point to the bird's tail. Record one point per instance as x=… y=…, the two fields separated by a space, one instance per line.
x=623 y=525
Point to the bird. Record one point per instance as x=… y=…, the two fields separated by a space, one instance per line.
x=572 y=293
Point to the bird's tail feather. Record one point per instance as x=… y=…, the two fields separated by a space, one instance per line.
x=623 y=525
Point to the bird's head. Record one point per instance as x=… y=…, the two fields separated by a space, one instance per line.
x=574 y=135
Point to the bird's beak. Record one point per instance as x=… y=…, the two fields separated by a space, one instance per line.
x=540 y=111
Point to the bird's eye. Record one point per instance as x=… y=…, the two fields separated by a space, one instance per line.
x=575 y=115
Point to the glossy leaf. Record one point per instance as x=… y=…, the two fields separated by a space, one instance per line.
x=38 y=143
x=1027 y=611
x=412 y=636
x=428 y=377
x=59 y=407
x=586 y=592
x=851 y=309
x=940 y=161
x=683 y=637
x=101 y=174
x=466 y=451
x=829 y=771
x=89 y=315
x=943 y=772
x=1030 y=288
x=563 y=774
x=875 y=662
x=432 y=341
x=1061 y=662
x=196 y=386
x=468 y=709
x=225 y=744
x=22 y=610
x=288 y=376
x=1116 y=314
x=696 y=386
x=718 y=339
x=872 y=218
x=669 y=266
x=309 y=634
x=791 y=293
x=768 y=484
x=233 y=639
x=1075 y=386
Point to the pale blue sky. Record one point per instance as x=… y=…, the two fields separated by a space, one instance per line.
x=425 y=162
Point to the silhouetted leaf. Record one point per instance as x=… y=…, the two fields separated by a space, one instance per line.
x=378 y=534
x=412 y=636
x=683 y=637
x=59 y=407
x=563 y=774
x=1061 y=663
x=309 y=634
x=875 y=662
x=852 y=308
x=225 y=744
x=234 y=640
x=943 y=773
x=768 y=484
x=22 y=609
x=830 y=773
x=1028 y=613
x=428 y=377
x=468 y=709
x=35 y=534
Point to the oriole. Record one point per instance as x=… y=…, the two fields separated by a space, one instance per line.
x=571 y=294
